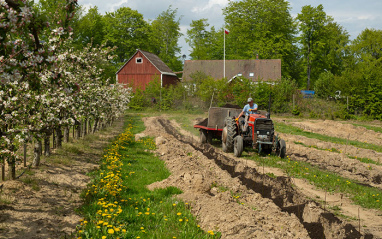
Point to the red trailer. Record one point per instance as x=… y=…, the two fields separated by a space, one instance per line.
x=212 y=126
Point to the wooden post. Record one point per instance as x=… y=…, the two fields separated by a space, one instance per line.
x=25 y=154
x=347 y=103
x=54 y=139
x=212 y=98
x=359 y=222
x=3 y=171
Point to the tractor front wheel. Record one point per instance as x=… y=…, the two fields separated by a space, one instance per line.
x=238 y=146
x=282 y=149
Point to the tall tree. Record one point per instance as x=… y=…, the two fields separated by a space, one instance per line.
x=90 y=29
x=261 y=27
x=165 y=36
x=126 y=29
x=322 y=42
x=198 y=38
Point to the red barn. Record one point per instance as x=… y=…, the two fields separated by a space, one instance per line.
x=142 y=68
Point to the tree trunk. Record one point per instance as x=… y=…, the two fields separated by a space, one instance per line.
x=58 y=137
x=25 y=154
x=3 y=171
x=12 y=169
x=54 y=140
x=78 y=130
x=47 y=143
x=95 y=125
x=12 y=165
x=66 y=134
x=308 y=70
x=37 y=153
x=89 y=126
x=85 y=128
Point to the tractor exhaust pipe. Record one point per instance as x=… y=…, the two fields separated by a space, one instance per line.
x=269 y=107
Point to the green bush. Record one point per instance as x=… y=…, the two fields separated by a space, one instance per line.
x=138 y=101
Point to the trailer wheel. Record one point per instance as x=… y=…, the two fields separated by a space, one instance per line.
x=224 y=139
x=238 y=146
x=203 y=136
x=209 y=137
x=231 y=132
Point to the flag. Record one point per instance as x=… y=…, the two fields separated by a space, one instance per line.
x=226 y=31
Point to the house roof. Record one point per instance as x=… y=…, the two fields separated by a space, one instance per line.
x=155 y=60
x=268 y=70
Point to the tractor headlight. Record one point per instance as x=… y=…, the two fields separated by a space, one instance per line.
x=258 y=132
x=268 y=133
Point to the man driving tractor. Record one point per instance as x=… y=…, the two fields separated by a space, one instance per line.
x=248 y=109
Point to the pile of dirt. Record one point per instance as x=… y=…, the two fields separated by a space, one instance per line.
x=229 y=195
x=338 y=162
x=220 y=202
x=339 y=129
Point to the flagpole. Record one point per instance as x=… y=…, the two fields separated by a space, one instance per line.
x=224 y=55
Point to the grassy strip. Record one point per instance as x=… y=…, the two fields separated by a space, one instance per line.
x=369 y=127
x=362 y=195
x=316 y=147
x=186 y=122
x=363 y=160
x=118 y=203
x=288 y=129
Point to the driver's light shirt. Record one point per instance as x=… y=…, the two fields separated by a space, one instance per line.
x=248 y=107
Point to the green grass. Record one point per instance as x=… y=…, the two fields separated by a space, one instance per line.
x=316 y=147
x=361 y=194
x=288 y=129
x=363 y=160
x=369 y=127
x=142 y=213
x=185 y=122
x=32 y=182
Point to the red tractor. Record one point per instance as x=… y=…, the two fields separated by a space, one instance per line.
x=259 y=134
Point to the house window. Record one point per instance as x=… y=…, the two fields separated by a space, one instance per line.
x=251 y=74
x=138 y=60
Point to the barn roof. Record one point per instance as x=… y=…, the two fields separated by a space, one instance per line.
x=155 y=60
x=264 y=69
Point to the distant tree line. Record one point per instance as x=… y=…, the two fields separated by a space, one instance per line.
x=127 y=30
x=316 y=52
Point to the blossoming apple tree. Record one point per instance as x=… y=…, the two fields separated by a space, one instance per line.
x=45 y=84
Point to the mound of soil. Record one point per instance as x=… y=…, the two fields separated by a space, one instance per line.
x=229 y=195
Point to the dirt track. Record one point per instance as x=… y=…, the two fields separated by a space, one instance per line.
x=266 y=207
x=49 y=210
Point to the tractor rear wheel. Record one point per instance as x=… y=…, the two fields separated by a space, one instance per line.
x=231 y=133
x=282 y=149
x=238 y=146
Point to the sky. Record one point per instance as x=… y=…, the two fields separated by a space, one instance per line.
x=353 y=15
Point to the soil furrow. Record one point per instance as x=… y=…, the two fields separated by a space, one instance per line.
x=318 y=222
